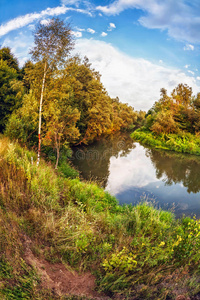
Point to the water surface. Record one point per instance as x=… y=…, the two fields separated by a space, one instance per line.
x=132 y=173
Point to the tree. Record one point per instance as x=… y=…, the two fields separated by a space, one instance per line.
x=99 y=114
x=89 y=97
x=183 y=107
x=61 y=127
x=53 y=42
x=60 y=117
x=182 y=94
x=22 y=124
x=6 y=55
x=11 y=92
x=177 y=112
x=164 y=123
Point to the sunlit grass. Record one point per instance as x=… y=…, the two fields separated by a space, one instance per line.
x=182 y=142
x=131 y=249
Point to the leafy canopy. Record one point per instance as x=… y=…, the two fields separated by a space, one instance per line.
x=175 y=113
x=11 y=92
x=53 y=42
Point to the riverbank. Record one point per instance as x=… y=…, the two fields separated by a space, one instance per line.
x=182 y=142
x=56 y=228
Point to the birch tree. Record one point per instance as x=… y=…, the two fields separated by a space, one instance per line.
x=53 y=43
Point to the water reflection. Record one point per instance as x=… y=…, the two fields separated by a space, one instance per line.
x=177 y=168
x=93 y=161
x=131 y=172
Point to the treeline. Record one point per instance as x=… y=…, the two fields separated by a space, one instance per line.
x=173 y=123
x=175 y=113
x=76 y=107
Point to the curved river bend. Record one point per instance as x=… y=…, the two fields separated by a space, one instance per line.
x=133 y=172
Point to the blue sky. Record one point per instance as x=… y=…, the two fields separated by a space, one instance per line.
x=138 y=46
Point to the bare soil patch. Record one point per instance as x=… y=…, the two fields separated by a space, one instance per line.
x=59 y=279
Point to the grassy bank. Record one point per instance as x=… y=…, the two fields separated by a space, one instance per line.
x=49 y=216
x=182 y=142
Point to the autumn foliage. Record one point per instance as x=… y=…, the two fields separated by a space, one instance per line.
x=175 y=113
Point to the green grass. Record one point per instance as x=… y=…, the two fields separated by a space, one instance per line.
x=182 y=142
x=67 y=171
x=131 y=249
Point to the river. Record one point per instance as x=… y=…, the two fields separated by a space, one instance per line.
x=134 y=173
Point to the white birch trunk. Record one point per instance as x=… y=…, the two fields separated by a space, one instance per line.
x=40 y=113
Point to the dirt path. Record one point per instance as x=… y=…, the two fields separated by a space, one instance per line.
x=57 y=278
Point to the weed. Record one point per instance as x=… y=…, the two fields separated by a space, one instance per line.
x=131 y=249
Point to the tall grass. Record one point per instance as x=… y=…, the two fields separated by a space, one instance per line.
x=182 y=142
x=131 y=249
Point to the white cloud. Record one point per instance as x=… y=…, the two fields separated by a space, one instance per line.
x=29 y=18
x=20 y=47
x=161 y=61
x=187 y=66
x=180 y=18
x=121 y=175
x=31 y=27
x=79 y=29
x=191 y=72
x=188 y=47
x=77 y=34
x=45 y=22
x=17 y=43
x=111 y=26
x=135 y=81
x=82 y=11
x=71 y=2
x=198 y=78
x=104 y=34
x=115 y=8
x=90 y=30
x=22 y=21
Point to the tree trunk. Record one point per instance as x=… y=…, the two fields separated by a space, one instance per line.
x=40 y=113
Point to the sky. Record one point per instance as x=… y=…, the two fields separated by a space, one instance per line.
x=138 y=46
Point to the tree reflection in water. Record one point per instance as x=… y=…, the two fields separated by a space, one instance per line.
x=132 y=172
x=176 y=168
x=93 y=160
